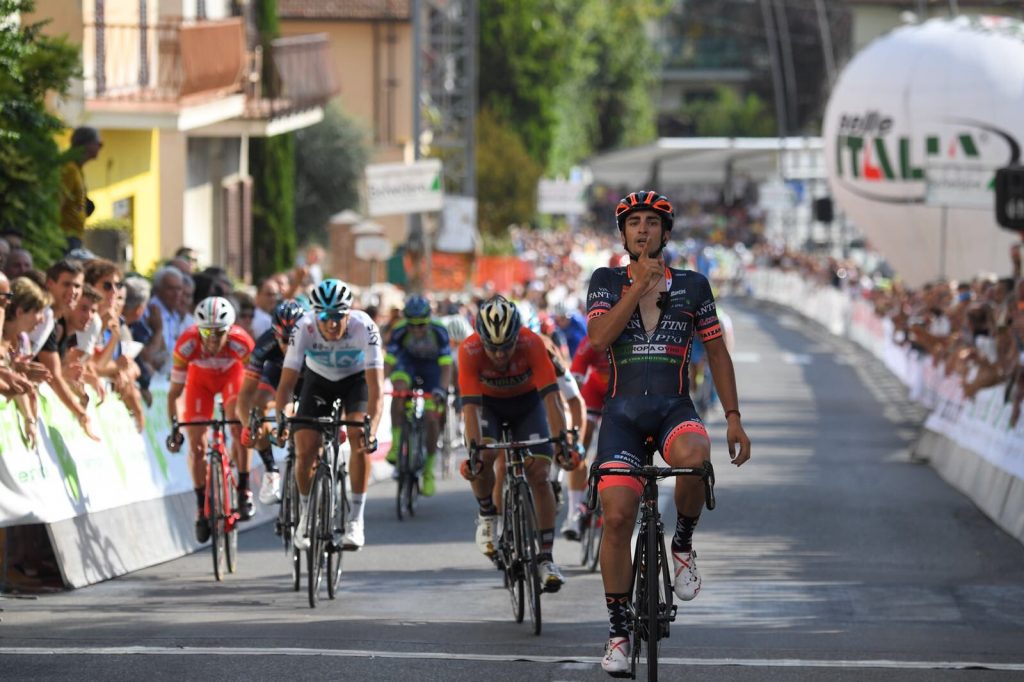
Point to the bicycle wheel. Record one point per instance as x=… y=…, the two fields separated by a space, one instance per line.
x=336 y=555
x=597 y=534
x=511 y=562
x=404 y=473
x=231 y=526
x=417 y=457
x=215 y=491
x=319 y=532
x=652 y=605
x=529 y=548
x=288 y=512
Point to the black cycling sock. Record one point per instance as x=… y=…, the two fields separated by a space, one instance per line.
x=200 y=497
x=618 y=607
x=547 y=542
x=268 y=459
x=683 y=538
x=487 y=507
x=243 y=480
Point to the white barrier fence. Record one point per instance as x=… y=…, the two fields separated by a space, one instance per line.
x=960 y=432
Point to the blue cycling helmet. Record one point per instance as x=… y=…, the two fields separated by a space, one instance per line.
x=286 y=315
x=331 y=297
x=304 y=301
x=416 y=307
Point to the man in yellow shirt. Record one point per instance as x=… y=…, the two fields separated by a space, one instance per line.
x=75 y=206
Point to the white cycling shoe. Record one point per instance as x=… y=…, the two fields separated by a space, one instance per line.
x=616 y=657
x=486 y=531
x=687 y=583
x=354 y=537
x=270 y=489
x=551 y=578
x=300 y=540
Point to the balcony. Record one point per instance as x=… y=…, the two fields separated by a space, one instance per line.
x=179 y=74
x=301 y=78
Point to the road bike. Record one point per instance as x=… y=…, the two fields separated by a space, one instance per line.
x=591 y=532
x=328 y=502
x=220 y=505
x=412 y=450
x=451 y=434
x=518 y=542
x=650 y=603
x=288 y=511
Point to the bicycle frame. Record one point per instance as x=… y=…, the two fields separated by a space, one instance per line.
x=412 y=450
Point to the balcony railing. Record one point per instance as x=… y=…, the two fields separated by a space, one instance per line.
x=164 y=62
x=300 y=77
x=706 y=53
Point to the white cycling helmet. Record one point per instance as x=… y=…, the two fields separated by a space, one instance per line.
x=459 y=328
x=215 y=312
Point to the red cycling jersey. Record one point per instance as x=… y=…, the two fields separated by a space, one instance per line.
x=528 y=369
x=207 y=375
x=590 y=367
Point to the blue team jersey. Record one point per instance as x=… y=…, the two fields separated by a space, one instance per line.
x=407 y=347
x=655 y=363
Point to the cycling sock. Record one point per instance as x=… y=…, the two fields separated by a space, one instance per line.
x=243 y=480
x=200 y=497
x=268 y=459
x=547 y=541
x=682 y=540
x=618 y=607
x=574 y=500
x=358 y=505
x=303 y=504
x=487 y=507
x=396 y=437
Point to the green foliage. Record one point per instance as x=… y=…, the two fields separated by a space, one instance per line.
x=31 y=65
x=727 y=115
x=334 y=154
x=506 y=176
x=497 y=245
x=272 y=164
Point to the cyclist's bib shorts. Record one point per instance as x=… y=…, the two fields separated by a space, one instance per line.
x=628 y=422
x=202 y=386
x=593 y=391
x=318 y=396
x=270 y=376
x=428 y=371
x=525 y=416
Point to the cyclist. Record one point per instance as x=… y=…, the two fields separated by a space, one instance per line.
x=646 y=316
x=261 y=378
x=505 y=375
x=209 y=358
x=419 y=350
x=340 y=349
x=590 y=367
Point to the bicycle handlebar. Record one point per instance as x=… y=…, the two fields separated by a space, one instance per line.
x=649 y=472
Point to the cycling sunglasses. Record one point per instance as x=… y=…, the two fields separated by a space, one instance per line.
x=207 y=333
x=419 y=321
x=331 y=317
x=506 y=347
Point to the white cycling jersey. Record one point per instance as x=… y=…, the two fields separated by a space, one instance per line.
x=358 y=348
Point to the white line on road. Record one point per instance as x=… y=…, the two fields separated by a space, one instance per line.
x=426 y=655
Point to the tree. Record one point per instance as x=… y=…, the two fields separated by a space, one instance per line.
x=31 y=65
x=272 y=161
x=729 y=115
x=334 y=154
x=506 y=176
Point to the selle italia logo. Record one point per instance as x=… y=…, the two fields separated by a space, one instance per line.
x=955 y=154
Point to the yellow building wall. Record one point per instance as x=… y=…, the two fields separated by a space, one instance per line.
x=128 y=168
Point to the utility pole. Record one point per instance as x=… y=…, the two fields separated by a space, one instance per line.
x=778 y=87
x=825 y=29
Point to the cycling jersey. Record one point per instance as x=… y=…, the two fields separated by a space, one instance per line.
x=590 y=367
x=358 y=349
x=266 y=361
x=655 y=364
x=528 y=369
x=419 y=355
x=189 y=353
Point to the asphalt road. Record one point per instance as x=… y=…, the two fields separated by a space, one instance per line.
x=831 y=556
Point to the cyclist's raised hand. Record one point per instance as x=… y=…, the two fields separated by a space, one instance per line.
x=649 y=270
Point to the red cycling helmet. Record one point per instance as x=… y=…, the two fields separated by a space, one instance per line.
x=644 y=200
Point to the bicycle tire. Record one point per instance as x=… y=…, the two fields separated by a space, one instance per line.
x=417 y=460
x=296 y=561
x=231 y=543
x=529 y=544
x=315 y=555
x=403 y=471
x=597 y=522
x=288 y=513
x=335 y=558
x=215 y=493
x=652 y=605
x=511 y=563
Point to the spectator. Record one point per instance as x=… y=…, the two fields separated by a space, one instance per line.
x=81 y=326
x=12 y=237
x=75 y=205
x=167 y=288
x=19 y=261
x=22 y=312
x=187 y=301
x=5 y=251
x=268 y=295
x=245 y=309
x=185 y=260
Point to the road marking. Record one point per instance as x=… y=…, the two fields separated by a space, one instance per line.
x=746 y=357
x=508 y=658
x=796 y=358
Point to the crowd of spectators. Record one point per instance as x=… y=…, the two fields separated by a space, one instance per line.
x=972 y=330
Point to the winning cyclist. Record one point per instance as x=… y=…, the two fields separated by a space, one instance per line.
x=340 y=349
x=209 y=358
x=419 y=349
x=647 y=316
x=261 y=378
x=505 y=375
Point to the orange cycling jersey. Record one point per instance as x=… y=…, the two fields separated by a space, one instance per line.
x=528 y=369
x=190 y=356
x=590 y=365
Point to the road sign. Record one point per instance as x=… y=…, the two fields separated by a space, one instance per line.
x=1010 y=197
x=399 y=188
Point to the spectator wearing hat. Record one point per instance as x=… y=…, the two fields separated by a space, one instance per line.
x=75 y=205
